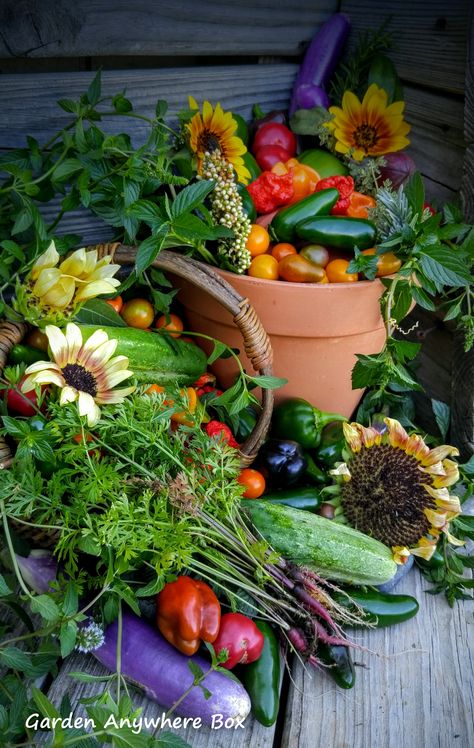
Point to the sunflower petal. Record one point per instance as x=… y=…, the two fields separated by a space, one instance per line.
x=87 y=407
x=58 y=344
x=68 y=395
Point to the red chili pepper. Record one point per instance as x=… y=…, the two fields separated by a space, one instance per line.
x=241 y=638
x=206 y=378
x=345 y=187
x=427 y=206
x=216 y=428
x=270 y=191
x=208 y=388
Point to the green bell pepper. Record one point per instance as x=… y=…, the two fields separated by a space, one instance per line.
x=297 y=419
x=339 y=663
x=261 y=679
x=380 y=608
x=314 y=474
x=331 y=445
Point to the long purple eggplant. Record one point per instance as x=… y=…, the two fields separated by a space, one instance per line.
x=319 y=64
x=163 y=673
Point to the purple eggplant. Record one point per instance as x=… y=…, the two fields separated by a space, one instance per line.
x=38 y=570
x=163 y=673
x=319 y=63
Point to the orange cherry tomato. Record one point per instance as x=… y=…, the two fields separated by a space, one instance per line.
x=138 y=313
x=264 y=266
x=116 y=303
x=281 y=250
x=297 y=269
x=336 y=271
x=172 y=323
x=387 y=263
x=253 y=481
x=359 y=205
x=316 y=253
x=258 y=240
x=37 y=339
x=181 y=416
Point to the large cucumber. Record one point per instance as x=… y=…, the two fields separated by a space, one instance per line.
x=335 y=551
x=155 y=358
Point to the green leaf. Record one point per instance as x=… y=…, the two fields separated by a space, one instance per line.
x=161 y=109
x=190 y=229
x=4 y=588
x=468 y=467
x=149 y=249
x=94 y=90
x=196 y=671
x=147 y=211
x=467 y=561
x=15 y=428
x=70 y=600
x=442 y=413
x=190 y=197
x=98 y=312
x=121 y=104
x=414 y=190
x=422 y=298
x=445 y=267
x=46 y=607
x=23 y=221
x=217 y=351
x=66 y=168
x=86 y=678
x=308 y=121
x=13 y=249
x=267 y=382
x=44 y=704
x=171 y=740
x=68 y=105
x=14 y=658
x=131 y=192
x=401 y=301
x=67 y=637
x=454 y=310
x=404 y=349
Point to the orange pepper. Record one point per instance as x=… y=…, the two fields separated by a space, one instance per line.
x=181 y=416
x=305 y=178
x=359 y=205
x=188 y=612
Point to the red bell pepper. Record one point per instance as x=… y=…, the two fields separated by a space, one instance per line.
x=241 y=638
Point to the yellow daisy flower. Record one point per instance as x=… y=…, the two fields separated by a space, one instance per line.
x=215 y=130
x=86 y=372
x=395 y=488
x=370 y=127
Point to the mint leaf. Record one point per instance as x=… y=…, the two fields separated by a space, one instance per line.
x=414 y=191
x=45 y=606
x=98 y=312
x=149 y=250
x=442 y=413
x=192 y=196
x=445 y=267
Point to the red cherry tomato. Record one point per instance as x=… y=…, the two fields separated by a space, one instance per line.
x=241 y=638
x=282 y=249
x=172 y=323
x=22 y=403
x=273 y=133
x=253 y=481
x=269 y=155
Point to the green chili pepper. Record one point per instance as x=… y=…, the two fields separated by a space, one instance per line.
x=283 y=227
x=339 y=663
x=261 y=679
x=331 y=445
x=308 y=498
x=25 y=354
x=337 y=231
x=435 y=562
x=297 y=419
x=247 y=203
x=314 y=474
x=380 y=608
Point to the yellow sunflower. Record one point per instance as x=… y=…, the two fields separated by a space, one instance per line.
x=370 y=127
x=215 y=130
x=84 y=371
x=395 y=488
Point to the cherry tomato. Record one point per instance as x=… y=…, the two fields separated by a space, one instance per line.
x=273 y=133
x=387 y=263
x=181 y=416
x=241 y=638
x=258 y=240
x=264 y=266
x=297 y=269
x=138 y=313
x=269 y=155
x=336 y=272
x=22 y=403
x=281 y=250
x=170 y=322
x=37 y=339
x=116 y=303
x=253 y=481
x=316 y=253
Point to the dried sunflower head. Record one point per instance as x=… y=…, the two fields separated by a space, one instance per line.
x=395 y=488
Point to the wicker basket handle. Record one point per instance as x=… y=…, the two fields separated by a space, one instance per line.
x=256 y=341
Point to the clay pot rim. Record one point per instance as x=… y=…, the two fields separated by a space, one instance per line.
x=290 y=284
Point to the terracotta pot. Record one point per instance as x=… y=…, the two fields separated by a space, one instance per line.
x=315 y=331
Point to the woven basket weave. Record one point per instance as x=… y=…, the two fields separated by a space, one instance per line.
x=255 y=340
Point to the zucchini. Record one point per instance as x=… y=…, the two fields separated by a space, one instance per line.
x=155 y=358
x=333 y=550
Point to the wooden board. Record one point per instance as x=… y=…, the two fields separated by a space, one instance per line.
x=429 y=38
x=414 y=689
x=147 y=27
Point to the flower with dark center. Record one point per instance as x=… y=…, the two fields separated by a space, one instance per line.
x=86 y=372
x=395 y=488
x=215 y=130
x=369 y=127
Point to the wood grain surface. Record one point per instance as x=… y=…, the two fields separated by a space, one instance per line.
x=39 y=28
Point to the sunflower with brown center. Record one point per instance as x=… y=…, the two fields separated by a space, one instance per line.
x=395 y=488
x=369 y=127
x=215 y=130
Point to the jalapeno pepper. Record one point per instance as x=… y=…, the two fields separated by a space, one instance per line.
x=25 y=354
x=307 y=498
x=297 y=419
x=337 y=231
x=339 y=663
x=314 y=474
x=380 y=608
x=331 y=445
x=261 y=679
x=283 y=227
x=435 y=562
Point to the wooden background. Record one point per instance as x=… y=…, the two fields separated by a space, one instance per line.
x=415 y=684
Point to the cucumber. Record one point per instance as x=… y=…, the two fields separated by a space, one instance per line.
x=338 y=231
x=333 y=550
x=155 y=358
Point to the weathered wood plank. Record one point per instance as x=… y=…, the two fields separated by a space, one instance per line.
x=429 y=38
x=145 y=27
x=415 y=686
x=253 y=734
